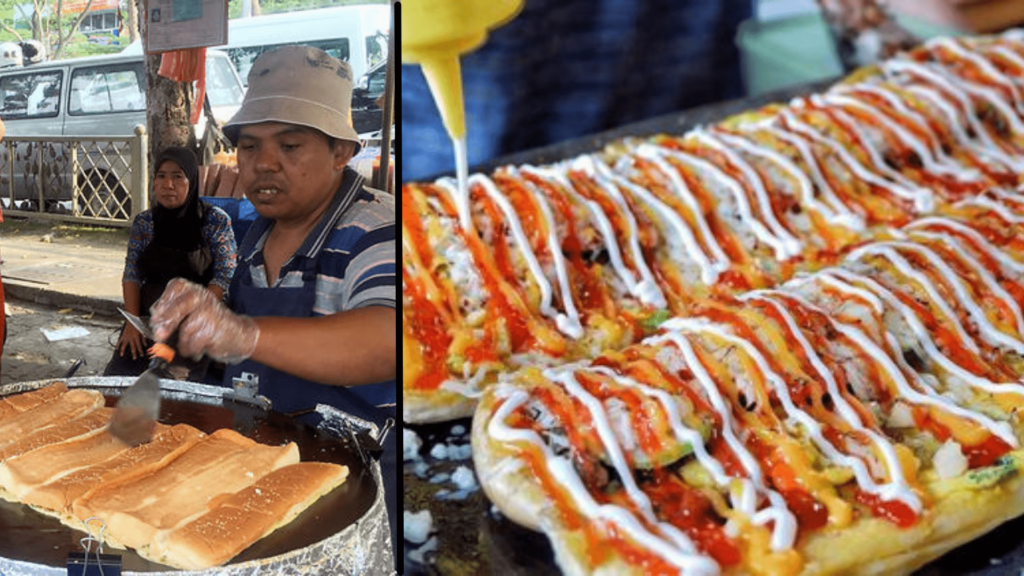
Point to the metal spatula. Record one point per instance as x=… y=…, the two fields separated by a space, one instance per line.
x=135 y=416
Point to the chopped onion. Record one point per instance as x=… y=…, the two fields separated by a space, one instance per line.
x=417 y=526
x=900 y=416
x=949 y=461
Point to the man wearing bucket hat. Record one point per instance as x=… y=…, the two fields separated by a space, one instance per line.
x=311 y=309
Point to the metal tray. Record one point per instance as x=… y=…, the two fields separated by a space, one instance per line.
x=506 y=548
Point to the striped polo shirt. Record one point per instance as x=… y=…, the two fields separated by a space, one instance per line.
x=356 y=268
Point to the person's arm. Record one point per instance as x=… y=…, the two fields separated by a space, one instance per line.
x=220 y=237
x=342 y=349
x=131 y=341
x=864 y=31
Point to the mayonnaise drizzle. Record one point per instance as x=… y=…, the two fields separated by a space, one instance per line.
x=992 y=335
x=897 y=488
x=940 y=77
x=922 y=279
x=977 y=239
x=846 y=219
x=713 y=261
x=569 y=322
x=990 y=204
x=924 y=200
x=564 y=473
x=980 y=271
x=784 y=532
x=935 y=159
x=760 y=231
x=646 y=287
x=843 y=215
x=557 y=174
x=516 y=227
x=790 y=246
x=983 y=64
x=920 y=332
x=985 y=149
x=923 y=151
x=903 y=387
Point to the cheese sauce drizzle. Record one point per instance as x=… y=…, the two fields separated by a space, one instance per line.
x=784 y=532
x=924 y=200
x=845 y=219
x=791 y=244
x=783 y=248
x=564 y=473
x=712 y=264
x=556 y=174
x=897 y=488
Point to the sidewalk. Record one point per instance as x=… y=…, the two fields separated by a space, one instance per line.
x=63 y=265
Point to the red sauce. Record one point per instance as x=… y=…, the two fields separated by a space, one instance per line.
x=690 y=511
x=894 y=511
x=986 y=453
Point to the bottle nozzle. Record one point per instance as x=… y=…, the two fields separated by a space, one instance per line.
x=444 y=76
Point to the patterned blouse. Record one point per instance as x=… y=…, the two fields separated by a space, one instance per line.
x=216 y=231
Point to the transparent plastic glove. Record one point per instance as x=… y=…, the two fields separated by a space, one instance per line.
x=205 y=325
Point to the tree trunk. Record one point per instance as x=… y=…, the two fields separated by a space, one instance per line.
x=167 y=105
x=255 y=7
x=37 y=25
x=133 y=22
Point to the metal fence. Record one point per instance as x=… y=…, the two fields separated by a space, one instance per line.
x=99 y=179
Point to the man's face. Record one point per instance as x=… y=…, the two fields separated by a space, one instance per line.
x=289 y=172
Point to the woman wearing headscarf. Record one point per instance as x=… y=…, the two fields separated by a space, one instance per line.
x=180 y=236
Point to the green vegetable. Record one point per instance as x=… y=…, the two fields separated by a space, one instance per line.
x=652 y=322
x=1003 y=469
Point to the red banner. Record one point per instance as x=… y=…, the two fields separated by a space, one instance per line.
x=76 y=6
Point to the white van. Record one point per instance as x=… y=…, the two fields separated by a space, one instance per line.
x=98 y=96
x=356 y=34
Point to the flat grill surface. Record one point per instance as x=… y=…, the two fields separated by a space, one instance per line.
x=31 y=536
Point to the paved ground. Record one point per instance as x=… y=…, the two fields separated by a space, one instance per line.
x=63 y=279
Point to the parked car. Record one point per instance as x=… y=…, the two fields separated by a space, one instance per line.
x=366 y=115
x=94 y=97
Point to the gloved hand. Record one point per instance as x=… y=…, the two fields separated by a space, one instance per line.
x=205 y=325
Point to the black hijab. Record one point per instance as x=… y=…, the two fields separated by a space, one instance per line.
x=180 y=228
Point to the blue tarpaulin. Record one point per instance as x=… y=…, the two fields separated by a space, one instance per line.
x=240 y=210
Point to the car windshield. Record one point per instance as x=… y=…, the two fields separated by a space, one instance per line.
x=222 y=87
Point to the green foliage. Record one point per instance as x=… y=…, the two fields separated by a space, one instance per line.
x=275 y=6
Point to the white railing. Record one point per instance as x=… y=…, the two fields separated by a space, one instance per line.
x=98 y=179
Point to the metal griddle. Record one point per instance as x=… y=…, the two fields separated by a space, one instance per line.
x=513 y=550
x=43 y=542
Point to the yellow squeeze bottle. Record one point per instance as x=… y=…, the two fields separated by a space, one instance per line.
x=435 y=33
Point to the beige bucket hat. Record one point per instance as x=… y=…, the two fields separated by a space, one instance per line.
x=298 y=85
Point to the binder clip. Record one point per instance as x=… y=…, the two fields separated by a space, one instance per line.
x=93 y=563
